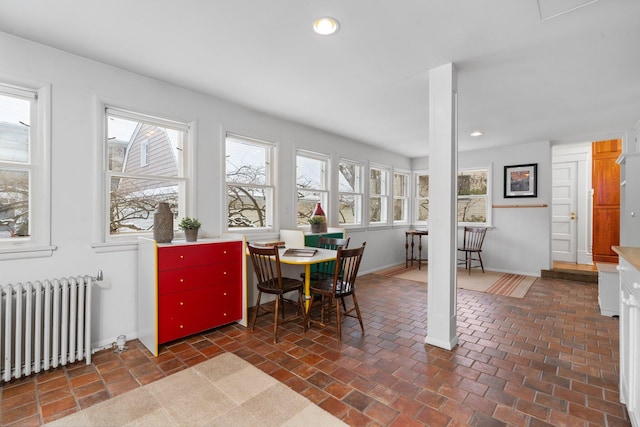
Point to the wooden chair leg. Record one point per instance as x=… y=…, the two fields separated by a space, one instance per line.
x=355 y=304
x=255 y=311
x=338 y=320
x=480 y=259
x=275 y=321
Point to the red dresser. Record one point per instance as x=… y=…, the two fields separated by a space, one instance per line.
x=197 y=286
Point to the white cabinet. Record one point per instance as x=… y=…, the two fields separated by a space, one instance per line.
x=608 y=289
x=630 y=331
x=630 y=200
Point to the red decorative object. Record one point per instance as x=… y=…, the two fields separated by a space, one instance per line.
x=319 y=213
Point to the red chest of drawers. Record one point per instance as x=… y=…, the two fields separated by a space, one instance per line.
x=198 y=287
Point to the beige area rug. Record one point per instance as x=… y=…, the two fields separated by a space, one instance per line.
x=510 y=285
x=223 y=391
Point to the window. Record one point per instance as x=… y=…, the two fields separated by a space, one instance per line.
x=473 y=197
x=378 y=195
x=422 y=197
x=24 y=172
x=350 y=193
x=250 y=190
x=145 y=165
x=311 y=183
x=400 y=197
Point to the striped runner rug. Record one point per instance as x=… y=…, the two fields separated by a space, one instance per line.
x=507 y=284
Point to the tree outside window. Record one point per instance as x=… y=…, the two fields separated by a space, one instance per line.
x=350 y=193
x=311 y=183
x=250 y=192
x=144 y=167
x=16 y=166
x=378 y=195
x=472 y=196
x=400 y=197
x=422 y=197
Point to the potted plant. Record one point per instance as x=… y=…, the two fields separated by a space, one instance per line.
x=316 y=224
x=190 y=226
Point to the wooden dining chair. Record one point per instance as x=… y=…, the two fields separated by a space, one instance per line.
x=325 y=270
x=333 y=291
x=266 y=264
x=472 y=247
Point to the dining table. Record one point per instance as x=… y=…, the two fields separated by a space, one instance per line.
x=307 y=257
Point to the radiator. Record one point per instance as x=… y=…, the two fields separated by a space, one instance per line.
x=45 y=324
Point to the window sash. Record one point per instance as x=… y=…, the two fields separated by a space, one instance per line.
x=350 y=202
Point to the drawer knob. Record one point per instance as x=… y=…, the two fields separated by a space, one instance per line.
x=224 y=252
x=181 y=302
x=225 y=315
x=181 y=256
x=225 y=273
x=181 y=326
x=225 y=294
x=181 y=280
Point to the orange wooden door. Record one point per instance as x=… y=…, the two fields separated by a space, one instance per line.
x=606 y=199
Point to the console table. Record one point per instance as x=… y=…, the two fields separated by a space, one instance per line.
x=409 y=235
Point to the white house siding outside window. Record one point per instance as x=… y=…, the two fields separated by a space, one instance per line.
x=25 y=173
x=378 y=195
x=145 y=165
x=250 y=183
x=473 y=197
x=311 y=183
x=400 y=197
x=350 y=193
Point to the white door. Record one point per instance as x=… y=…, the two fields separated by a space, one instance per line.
x=564 y=203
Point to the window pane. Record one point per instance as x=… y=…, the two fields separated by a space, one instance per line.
x=14 y=203
x=376 y=181
x=399 y=210
x=310 y=173
x=307 y=201
x=247 y=206
x=140 y=148
x=423 y=210
x=377 y=209
x=349 y=208
x=246 y=162
x=349 y=180
x=472 y=183
x=15 y=119
x=423 y=185
x=472 y=209
x=399 y=185
x=133 y=202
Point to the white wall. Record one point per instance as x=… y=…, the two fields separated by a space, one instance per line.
x=78 y=87
x=519 y=240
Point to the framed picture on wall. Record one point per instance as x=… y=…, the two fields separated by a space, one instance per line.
x=521 y=181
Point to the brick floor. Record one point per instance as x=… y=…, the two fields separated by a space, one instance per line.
x=547 y=359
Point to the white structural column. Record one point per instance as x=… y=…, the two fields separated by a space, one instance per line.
x=443 y=165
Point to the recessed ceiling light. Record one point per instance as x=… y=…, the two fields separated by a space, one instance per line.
x=325 y=26
x=476 y=133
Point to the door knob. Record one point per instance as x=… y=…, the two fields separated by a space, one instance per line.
x=572 y=215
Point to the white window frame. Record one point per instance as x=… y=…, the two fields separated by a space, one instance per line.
x=322 y=191
x=357 y=195
x=383 y=195
x=38 y=243
x=186 y=171
x=269 y=187
x=416 y=198
x=489 y=208
x=405 y=199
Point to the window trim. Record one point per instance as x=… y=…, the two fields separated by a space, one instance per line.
x=324 y=192
x=406 y=198
x=361 y=194
x=270 y=184
x=384 y=197
x=39 y=243
x=103 y=241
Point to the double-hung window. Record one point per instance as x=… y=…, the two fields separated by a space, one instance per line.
x=400 y=197
x=473 y=196
x=378 y=195
x=350 y=193
x=311 y=183
x=250 y=183
x=24 y=172
x=145 y=165
x=422 y=198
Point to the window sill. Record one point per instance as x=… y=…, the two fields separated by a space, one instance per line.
x=26 y=252
x=129 y=245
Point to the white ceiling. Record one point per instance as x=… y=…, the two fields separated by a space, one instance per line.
x=573 y=77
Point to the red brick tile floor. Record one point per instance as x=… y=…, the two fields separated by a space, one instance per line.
x=547 y=359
